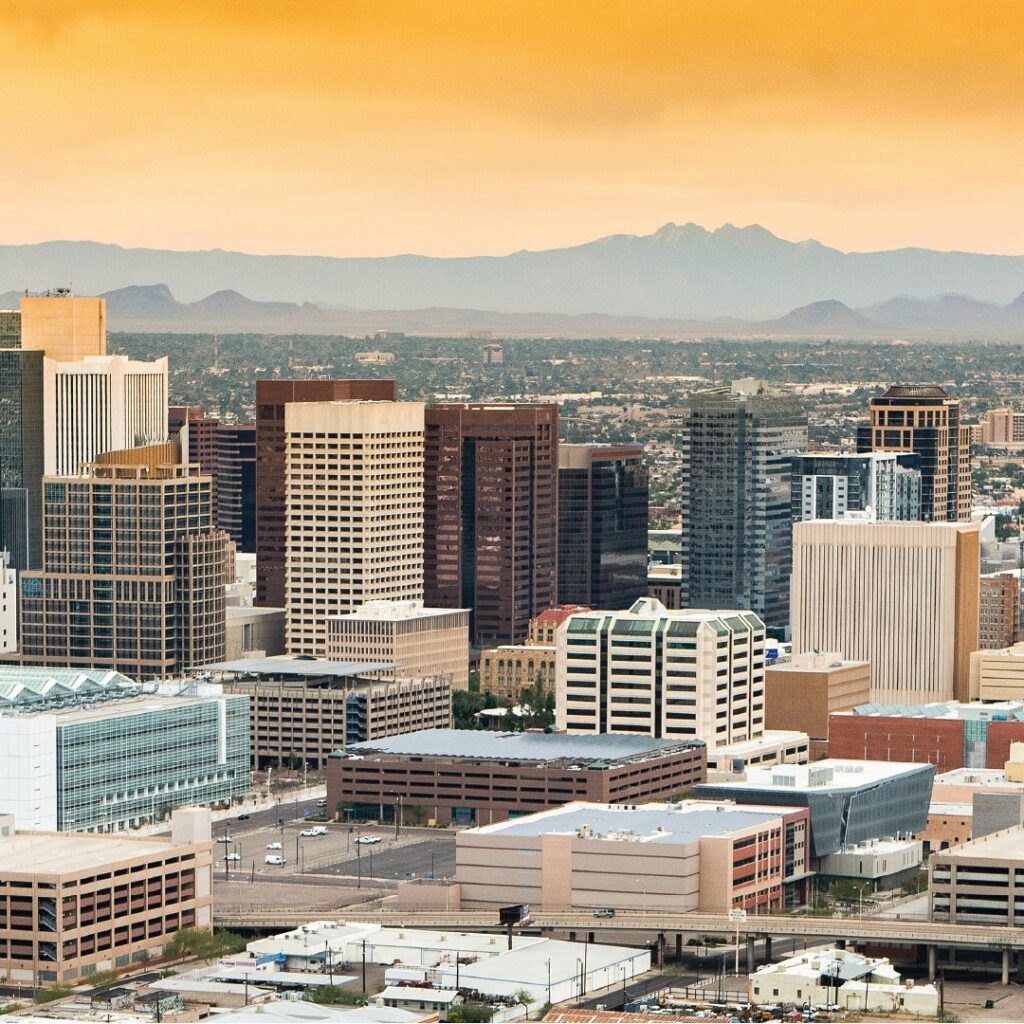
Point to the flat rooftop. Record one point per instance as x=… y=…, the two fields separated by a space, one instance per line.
x=144 y=705
x=829 y=774
x=300 y=668
x=980 y=777
x=1007 y=711
x=394 y=611
x=666 y=824
x=520 y=746
x=1005 y=844
x=50 y=853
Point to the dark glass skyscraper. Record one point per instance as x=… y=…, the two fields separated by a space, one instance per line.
x=490 y=524
x=234 y=509
x=603 y=494
x=737 y=525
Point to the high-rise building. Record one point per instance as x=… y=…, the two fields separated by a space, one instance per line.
x=234 y=507
x=21 y=456
x=661 y=673
x=197 y=434
x=354 y=502
x=133 y=571
x=830 y=486
x=422 y=641
x=1003 y=428
x=101 y=404
x=603 y=493
x=491 y=515
x=901 y=596
x=737 y=527
x=999 y=614
x=923 y=418
x=271 y=521
x=8 y=604
x=66 y=327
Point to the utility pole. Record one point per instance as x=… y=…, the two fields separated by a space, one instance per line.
x=364 y=966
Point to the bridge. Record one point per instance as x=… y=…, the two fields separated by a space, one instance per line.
x=886 y=931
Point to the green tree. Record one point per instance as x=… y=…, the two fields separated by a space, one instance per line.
x=204 y=945
x=59 y=990
x=334 y=995
x=464 y=706
x=470 y=1013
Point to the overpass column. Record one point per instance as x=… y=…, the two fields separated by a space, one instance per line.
x=1006 y=966
x=767 y=949
x=661 y=949
x=679 y=946
x=931 y=963
x=751 y=956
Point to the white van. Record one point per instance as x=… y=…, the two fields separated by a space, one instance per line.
x=274 y=858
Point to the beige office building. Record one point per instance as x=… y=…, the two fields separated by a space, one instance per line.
x=423 y=641
x=901 y=596
x=1003 y=428
x=801 y=694
x=651 y=671
x=76 y=903
x=998 y=675
x=354 y=501
x=66 y=327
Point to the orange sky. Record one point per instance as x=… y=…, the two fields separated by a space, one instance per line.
x=471 y=126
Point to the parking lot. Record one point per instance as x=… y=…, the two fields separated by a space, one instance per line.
x=417 y=853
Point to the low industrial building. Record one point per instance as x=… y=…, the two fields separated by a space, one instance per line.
x=304 y=709
x=980 y=882
x=843 y=978
x=802 y=692
x=66 y=736
x=674 y=858
x=465 y=777
x=548 y=970
x=420 y=641
x=73 y=904
x=850 y=802
x=948 y=735
x=880 y=864
x=774 y=746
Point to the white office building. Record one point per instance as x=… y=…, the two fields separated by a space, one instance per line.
x=8 y=605
x=100 y=404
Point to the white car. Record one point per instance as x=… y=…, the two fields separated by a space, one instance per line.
x=274 y=846
x=368 y=840
x=312 y=833
x=275 y=859
x=225 y=839
x=233 y=856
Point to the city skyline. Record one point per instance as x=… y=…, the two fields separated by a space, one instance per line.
x=371 y=130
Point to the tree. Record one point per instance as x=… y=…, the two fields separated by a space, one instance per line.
x=204 y=945
x=334 y=995
x=464 y=706
x=470 y=1013
x=523 y=998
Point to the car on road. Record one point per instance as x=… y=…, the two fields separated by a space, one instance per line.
x=233 y=857
x=225 y=839
x=312 y=833
x=605 y=912
x=243 y=817
x=274 y=846
x=322 y=802
x=275 y=859
x=368 y=840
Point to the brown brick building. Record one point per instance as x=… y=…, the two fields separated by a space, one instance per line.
x=491 y=515
x=998 y=611
x=271 y=398
x=952 y=736
x=467 y=777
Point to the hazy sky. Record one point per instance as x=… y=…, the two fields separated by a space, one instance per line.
x=473 y=126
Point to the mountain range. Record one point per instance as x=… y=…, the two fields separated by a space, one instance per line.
x=153 y=308
x=681 y=273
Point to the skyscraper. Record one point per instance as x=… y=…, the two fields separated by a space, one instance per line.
x=101 y=404
x=234 y=490
x=901 y=596
x=133 y=571
x=491 y=515
x=354 y=507
x=602 y=524
x=829 y=486
x=923 y=418
x=271 y=398
x=737 y=521
x=197 y=433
